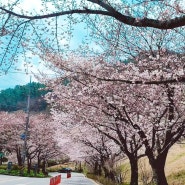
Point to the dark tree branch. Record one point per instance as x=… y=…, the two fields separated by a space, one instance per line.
x=110 y=11
x=180 y=79
x=69 y=12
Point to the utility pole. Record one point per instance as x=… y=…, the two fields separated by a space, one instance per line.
x=26 y=125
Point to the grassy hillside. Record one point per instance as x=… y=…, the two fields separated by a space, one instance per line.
x=175 y=165
x=65 y=165
x=174 y=169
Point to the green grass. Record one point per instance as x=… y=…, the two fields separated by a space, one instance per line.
x=103 y=180
x=177 y=157
x=177 y=178
x=17 y=172
x=3 y=166
x=53 y=169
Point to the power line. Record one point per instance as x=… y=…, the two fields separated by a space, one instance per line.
x=27 y=125
x=11 y=80
x=15 y=79
x=27 y=73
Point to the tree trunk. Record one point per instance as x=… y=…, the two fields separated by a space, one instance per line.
x=19 y=157
x=134 y=170
x=159 y=177
x=44 y=167
x=1 y=160
x=97 y=169
x=105 y=172
x=38 y=163
x=158 y=165
x=29 y=166
x=110 y=174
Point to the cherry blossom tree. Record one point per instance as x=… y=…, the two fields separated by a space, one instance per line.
x=105 y=155
x=23 y=29
x=145 y=97
x=41 y=143
x=126 y=43
x=96 y=149
x=169 y=15
x=85 y=111
x=12 y=129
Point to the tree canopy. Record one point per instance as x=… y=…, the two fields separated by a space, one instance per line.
x=23 y=28
x=133 y=115
x=119 y=10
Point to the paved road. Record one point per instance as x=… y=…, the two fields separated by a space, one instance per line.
x=76 y=179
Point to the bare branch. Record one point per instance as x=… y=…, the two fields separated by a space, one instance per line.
x=110 y=11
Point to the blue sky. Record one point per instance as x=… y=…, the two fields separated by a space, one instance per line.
x=22 y=75
x=19 y=77
x=11 y=79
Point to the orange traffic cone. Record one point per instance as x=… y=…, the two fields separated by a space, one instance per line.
x=59 y=179
x=52 y=181
x=68 y=175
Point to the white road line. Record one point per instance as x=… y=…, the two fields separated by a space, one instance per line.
x=25 y=183
x=12 y=179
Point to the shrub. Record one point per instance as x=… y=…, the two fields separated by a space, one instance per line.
x=4 y=167
x=52 y=163
x=103 y=180
x=3 y=171
x=16 y=172
x=177 y=178
x=4 y=159
x=53 y=169
x=15 y=167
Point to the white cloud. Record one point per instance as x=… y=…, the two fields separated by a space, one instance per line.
x=28 y=6
x=22 y=73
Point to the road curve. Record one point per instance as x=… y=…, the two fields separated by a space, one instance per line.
x=76 y=179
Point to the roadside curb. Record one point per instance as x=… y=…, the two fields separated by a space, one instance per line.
x=98 y=183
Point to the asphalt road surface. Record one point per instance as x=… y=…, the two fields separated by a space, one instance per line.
x=76 y=179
